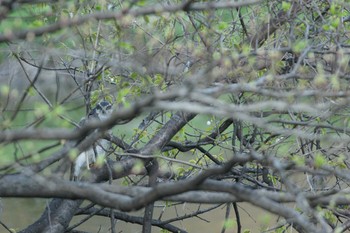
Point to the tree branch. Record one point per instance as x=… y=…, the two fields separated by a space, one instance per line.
x=133 y=219
x=275 y=23
x=76 y=21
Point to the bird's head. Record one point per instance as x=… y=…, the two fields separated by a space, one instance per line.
x=102 y=110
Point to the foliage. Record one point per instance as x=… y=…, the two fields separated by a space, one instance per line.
x=215 y=102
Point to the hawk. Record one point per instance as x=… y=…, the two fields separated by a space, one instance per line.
x=87 y=158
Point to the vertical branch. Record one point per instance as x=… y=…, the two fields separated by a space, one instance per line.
x=238 y=218
x=177 y=121
x=93 y=63
x=241 y=20
x=59 y=212
x=227 y=215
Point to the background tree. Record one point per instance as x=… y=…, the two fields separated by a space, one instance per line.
x=216 y=102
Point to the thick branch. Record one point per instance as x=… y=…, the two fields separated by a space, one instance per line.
x=164 y=135
x=55 y=218
x=59 y=134
x=61 y=191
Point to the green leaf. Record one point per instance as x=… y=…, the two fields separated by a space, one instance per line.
x=127 y=46
x=223 y=25
x=286 y=5
x=59 y=110
x=298 y=160
x=31 y=91
x=122 y=93
x=335 y=82
x=73 y=154
x=95 y=96
x=100 y=161
x=4 y=90
x=229 y=223
x=335 y=22
x=41 y=110
x=326 y=27
x=38 y=23
x=300 y=45
x=334 y=9
x=330 y=216
x=141 y=3
x=98 y=7
x=319 y=160
x=146 y=18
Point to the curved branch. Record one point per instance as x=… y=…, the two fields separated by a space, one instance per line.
x=59 y=189
x=59 y=134
x=167 y=132
x=66 y=23
x=132 y=219
x=33 y=185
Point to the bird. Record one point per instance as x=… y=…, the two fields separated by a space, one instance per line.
x=98 y=150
